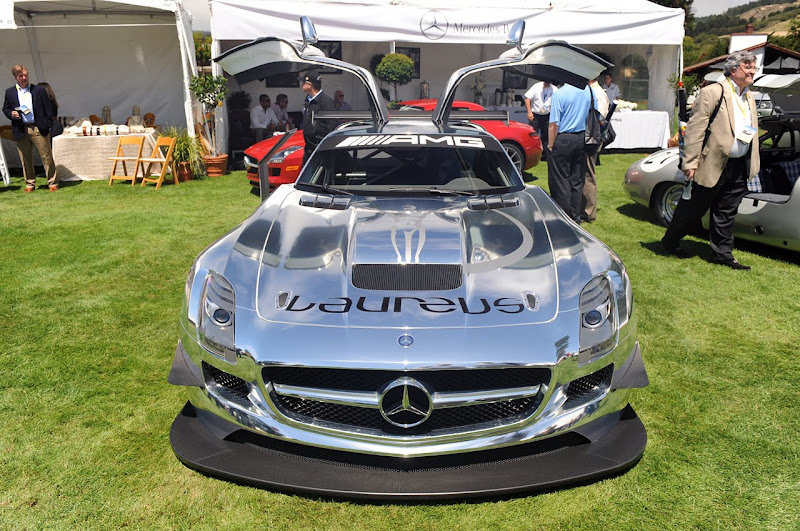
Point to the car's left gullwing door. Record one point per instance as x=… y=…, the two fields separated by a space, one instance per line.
x=270 y=55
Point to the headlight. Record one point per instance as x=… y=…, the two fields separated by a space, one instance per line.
x=249 y=162
x=598 y=326
x=217 y=317
x=279 y=157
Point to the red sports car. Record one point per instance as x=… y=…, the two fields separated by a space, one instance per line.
x=522 y=144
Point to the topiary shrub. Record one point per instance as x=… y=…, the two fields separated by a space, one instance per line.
x=395 y=68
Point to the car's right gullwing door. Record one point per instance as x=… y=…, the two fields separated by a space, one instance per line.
x=550 y=60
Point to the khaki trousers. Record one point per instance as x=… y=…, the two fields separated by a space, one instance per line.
x=589 y=203
x=25 y=145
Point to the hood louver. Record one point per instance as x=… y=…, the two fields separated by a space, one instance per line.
x=325 y=201
x=492 y=202
x=407 y=277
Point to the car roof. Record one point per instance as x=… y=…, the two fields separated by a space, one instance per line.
x=415 y=126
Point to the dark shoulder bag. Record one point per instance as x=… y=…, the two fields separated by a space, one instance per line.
x=713 y=115
x=594 y=132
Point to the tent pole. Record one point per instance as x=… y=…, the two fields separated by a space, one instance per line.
x=220 y=119
x=4 y=168
x=188 y=65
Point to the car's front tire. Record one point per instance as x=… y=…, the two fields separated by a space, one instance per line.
x=665 y=201
x=515 y=153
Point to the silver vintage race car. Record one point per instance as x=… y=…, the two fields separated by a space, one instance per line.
x=409 y=320
x=770 y=212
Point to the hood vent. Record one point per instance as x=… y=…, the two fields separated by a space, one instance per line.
x=492 y=202
x=325 y=201
x=407 y=277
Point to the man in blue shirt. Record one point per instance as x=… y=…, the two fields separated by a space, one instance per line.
x=566 y=166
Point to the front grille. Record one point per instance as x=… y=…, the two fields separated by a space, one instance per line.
x=589 y=387
x=407 y=277
x=228 y=386
x=452 y=418
x=443 y=381
x=455 y=418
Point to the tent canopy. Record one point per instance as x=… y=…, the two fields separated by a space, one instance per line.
x=101 y=52
x=453 y=21
x=641 y=38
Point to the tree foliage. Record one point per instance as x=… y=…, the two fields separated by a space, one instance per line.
x=202 y=47
x=686 y=5
x=791 y=40
x=395 y=68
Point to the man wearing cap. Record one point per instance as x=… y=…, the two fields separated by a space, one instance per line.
x=316 y=100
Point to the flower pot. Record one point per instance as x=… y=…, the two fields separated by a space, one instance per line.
x=216 y=166
x=185 y=172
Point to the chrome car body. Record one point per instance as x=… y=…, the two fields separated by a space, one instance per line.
x=411 y=320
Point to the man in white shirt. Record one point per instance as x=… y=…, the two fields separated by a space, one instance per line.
x=611 y=88
x=262 y=118
x=282 y=102
x=537 y=102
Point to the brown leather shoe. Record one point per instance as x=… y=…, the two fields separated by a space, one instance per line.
x=29 y=189
x=53 y=187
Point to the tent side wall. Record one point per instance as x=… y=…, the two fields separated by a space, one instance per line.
x=93 y=66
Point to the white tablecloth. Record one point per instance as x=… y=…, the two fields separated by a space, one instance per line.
x=640 y=130
x=12 y=155
x=86 y=157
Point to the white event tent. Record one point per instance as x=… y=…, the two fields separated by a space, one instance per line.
x=103 y=52
x=448 y=34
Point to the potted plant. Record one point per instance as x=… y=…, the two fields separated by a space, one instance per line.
x=210 y=91
x=395 y=68
x=186 y=153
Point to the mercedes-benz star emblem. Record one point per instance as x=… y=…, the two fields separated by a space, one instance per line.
x=405 y=340
x=433 y=25
x=406 y=403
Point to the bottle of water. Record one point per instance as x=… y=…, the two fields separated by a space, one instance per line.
x=687 y=191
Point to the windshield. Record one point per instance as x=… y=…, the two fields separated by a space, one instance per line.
x=469 y=165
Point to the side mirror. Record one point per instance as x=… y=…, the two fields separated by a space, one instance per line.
x=309 y=32
x=516 y=34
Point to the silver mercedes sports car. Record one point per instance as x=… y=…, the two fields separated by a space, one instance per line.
x=770 y=212
x=409 y=320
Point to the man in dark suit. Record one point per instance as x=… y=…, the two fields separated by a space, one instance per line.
x=316 y=100
x=29 y=109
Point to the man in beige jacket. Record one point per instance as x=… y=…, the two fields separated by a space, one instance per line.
x=720 y=155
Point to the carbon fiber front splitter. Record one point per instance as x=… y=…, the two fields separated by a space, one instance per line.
x=607 y=446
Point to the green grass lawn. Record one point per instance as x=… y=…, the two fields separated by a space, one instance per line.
x=92 y=279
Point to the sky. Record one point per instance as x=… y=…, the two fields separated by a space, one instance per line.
x=704 y=8
x=701 y=8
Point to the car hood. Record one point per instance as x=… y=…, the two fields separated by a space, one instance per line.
x=258 y=150
x=415 y=263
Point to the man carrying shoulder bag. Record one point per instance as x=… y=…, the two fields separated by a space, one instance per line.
x=721 y=155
